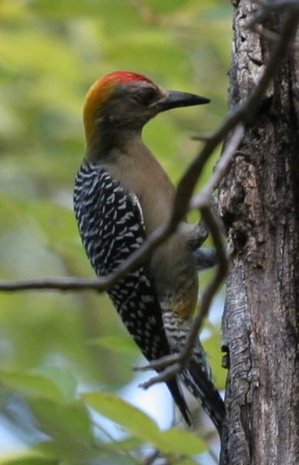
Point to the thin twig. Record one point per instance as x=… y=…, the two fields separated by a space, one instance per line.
x=220 y=169
x=220 y=274
x=173 y=364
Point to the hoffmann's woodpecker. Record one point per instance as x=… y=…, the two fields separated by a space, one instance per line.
x=122 y=194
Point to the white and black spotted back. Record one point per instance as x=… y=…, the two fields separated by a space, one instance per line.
x=111 y=227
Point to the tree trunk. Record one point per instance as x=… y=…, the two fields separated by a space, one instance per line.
x=259 y=204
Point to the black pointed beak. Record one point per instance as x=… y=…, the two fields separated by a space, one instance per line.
x=175 y=99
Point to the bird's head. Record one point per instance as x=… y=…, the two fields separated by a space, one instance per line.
x=125 y=100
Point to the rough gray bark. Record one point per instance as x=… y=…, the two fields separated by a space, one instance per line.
x=259 y=204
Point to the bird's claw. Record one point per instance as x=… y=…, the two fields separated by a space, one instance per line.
x=167 y=368
x=160 y=364
x=164 y=376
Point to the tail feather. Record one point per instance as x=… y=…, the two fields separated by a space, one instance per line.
x=197 y=377
x=203 y=389
x=179 y=399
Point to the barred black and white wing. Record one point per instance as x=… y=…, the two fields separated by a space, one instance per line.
x=111 y=227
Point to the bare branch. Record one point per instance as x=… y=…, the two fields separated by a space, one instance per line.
x=175 y=363
x=60 y=284
x=215 y=231
x=203 y=198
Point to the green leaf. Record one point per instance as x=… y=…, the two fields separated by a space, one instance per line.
x=174 y=441
x=116 y=344
x=178 y=441
x=30 y=384
x=125 y=445
x=189 y=461
x=214 y=357
x=130 y=418
x=63 y=377
x=63 y=421
x=69 y=427
x=30 y=460
x=165 y=7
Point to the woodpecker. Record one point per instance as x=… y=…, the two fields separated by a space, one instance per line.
x=121 y=195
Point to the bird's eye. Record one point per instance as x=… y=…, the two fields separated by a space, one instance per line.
x=148 y=96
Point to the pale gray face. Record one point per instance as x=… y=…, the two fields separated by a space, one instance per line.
x=132 y=105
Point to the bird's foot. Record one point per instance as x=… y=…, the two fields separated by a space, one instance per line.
x=167 y=367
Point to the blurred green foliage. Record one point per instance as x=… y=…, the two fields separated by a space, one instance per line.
x=55 y=345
